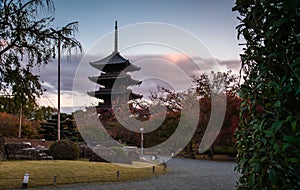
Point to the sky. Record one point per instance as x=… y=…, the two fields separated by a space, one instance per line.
x=211 y=22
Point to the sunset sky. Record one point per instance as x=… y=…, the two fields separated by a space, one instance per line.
x=211 y=22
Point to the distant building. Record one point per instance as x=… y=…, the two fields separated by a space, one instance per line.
x=114 y=79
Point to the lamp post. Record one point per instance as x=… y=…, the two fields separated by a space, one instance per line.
x=58 y=38
x=58 y=87
x=142 y=142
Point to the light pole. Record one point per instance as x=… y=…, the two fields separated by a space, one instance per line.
x=58 y=88
x=20 y=121
x=142 y=142
x=58 y=38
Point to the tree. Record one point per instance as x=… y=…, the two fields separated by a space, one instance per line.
x=68 y=128
x=268 y=134
x=206 y=87
x=226 y=136
x=42 y=113
x=212 y=88
x=9 y=126
x=61 y=37
x=10 y=104
x=26 y=41
x=220 y=82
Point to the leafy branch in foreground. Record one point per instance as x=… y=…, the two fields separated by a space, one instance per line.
x=268 y=134
x=26 y=41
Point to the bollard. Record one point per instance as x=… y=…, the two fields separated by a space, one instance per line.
x=165 y=166
x=153 y=169
x=54 y=180
x=153 y=158
x=118 y=175
x=25 y=181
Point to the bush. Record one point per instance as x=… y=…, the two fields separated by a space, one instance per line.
x=223 y=150
x=118 y=150
x=64 y=150
x=268 y=135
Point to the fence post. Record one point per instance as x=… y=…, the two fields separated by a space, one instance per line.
x=165 y=166
x=54 y=180
x=118 y=175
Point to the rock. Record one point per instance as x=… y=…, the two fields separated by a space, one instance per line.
x=13 y=151
x=24 y=151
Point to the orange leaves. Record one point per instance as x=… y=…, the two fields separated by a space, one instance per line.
x=9 y=126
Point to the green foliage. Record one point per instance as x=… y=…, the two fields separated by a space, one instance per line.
x=68 y=128
x=12 y=105
x=118 y=150
x=64 y=150
x=26 y=41
x=268 y=134
x=223 y=150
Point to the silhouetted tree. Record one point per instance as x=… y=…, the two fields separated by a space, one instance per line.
x=26 y=41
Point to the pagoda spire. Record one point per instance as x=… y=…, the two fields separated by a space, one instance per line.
x=116 y=36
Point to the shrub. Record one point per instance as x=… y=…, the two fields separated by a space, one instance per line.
x=268 y=134
x=229 y=150
x=118 y=150
x=64 y=150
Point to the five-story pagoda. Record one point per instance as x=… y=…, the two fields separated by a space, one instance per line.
x=113 y=80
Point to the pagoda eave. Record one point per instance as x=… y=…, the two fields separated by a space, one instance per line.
x=110 y=81
x=116 y=67
x=105 y=94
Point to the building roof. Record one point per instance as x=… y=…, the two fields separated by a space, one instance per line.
x=114 y=63
x=108 y=93
x=124 y=79
x=114 y=58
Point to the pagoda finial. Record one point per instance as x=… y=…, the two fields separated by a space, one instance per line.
x=116 y=36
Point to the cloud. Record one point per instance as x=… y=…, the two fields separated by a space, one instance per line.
x=48 y=73
x=234 y=65
x=168 y=70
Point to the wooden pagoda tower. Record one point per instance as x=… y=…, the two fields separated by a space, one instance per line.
x=113 y=67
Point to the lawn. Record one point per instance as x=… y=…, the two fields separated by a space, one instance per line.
x=42 y=172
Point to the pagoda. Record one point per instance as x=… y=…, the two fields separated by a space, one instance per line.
x=114 y=79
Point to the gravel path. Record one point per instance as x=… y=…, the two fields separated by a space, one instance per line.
x=186 y=174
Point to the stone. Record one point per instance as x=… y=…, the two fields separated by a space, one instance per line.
x=24 y=151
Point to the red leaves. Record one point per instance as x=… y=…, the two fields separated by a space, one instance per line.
x=9 y=126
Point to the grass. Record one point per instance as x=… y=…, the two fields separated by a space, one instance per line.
x=42 y=172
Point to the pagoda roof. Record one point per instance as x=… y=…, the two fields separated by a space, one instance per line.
x=107 y=92
x=113 y=62
x=105 y=78
x=114 y=58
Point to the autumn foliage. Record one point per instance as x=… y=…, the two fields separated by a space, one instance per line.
x=170 y=124
x=9 y=126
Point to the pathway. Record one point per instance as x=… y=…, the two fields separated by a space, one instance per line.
x=186 y=174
